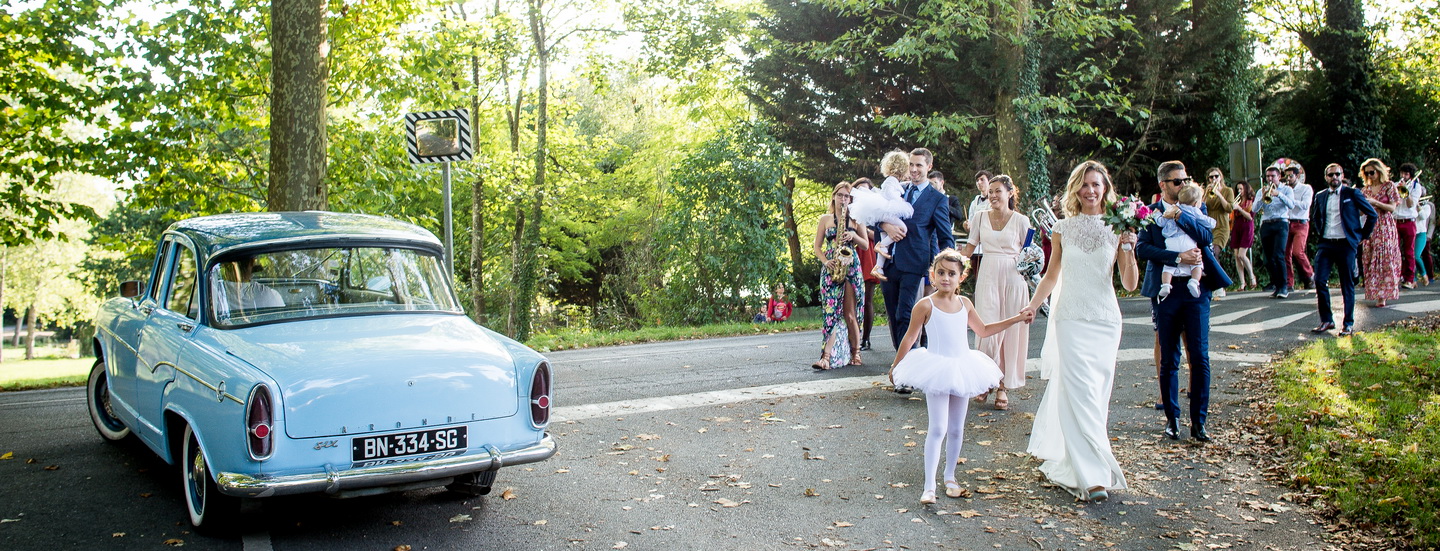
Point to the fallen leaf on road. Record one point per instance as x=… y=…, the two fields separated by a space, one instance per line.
x=508 y=494
x=810 y=492
x=402 y=548
x=726 y=503
x=620 y=545
x=118 y=535
x=968 y=513
x=397 y=523
x=910 y=444
x=648 y=436
x=842 y=524
x=174 y=542
x=52 y=467
x=460 y=518
x=8 y=455
x=541 y=522
x=561 y=471
x=814 y=457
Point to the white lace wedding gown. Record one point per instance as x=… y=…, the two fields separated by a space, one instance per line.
x=1071 y=427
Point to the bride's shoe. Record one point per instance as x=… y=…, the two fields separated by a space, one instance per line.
x=1098 y=494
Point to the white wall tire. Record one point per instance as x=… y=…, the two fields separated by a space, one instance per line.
x=97 y=399
x=211 y=512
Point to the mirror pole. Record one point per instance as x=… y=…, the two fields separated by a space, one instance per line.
x=449 y=230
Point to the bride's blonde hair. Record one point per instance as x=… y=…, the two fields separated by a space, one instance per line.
x=1071 y=202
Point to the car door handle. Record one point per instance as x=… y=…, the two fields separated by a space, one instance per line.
x=186 y=327
x=147 y=309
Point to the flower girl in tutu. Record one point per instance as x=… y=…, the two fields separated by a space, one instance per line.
x=887 y=205
x=949 y=372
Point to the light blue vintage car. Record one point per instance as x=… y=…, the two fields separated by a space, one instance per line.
x=284 y=353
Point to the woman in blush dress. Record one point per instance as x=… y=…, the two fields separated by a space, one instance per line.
x=999 y=287
x=1380 y=254
x=1071 y=426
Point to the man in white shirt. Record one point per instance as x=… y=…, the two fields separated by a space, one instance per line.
x=978 y=207
x=1299 y=216
x=1405 y=213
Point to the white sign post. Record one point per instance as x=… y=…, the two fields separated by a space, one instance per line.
x=440 y=137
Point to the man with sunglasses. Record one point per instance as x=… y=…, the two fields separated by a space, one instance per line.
x=1336 y=218
x=1273 y=210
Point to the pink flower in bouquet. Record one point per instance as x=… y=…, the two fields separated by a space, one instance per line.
x=1128 y=214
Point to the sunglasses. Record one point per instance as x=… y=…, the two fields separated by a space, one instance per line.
x=1334 y=174
x=1369 y=173
x=1181 y=181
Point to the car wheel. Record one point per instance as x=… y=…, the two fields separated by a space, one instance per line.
x=211 y=512
x=97 y=397
x=473 y=484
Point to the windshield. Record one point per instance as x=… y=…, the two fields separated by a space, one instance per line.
x=310 y=283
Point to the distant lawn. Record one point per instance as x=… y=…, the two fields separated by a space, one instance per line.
x=20 y=374
x=1361 y=420
x=807 y=319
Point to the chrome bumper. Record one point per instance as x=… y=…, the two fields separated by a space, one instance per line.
x=333 y=481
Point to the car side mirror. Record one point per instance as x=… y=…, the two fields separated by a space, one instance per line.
x=131 y=289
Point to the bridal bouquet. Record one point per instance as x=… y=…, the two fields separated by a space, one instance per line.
x=1129 y=214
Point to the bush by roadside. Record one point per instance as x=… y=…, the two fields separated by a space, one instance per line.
x=1358 y=422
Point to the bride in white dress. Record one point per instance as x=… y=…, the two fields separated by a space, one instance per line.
x=1070 y=432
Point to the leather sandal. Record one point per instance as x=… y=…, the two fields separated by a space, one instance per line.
x=982 y=397
x=1002 y=400
x=822 y=364
x=855 y=359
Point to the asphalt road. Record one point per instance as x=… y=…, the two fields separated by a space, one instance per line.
x=730 y=443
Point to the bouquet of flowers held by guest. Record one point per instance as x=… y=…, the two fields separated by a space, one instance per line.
x=1129 y=214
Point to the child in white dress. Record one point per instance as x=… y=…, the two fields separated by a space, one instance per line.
x=888 y=205
x=1190 y=198
x=949 y=372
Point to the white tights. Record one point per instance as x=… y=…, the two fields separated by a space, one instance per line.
x=947 y=422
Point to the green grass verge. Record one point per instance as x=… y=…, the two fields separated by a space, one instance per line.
x=565 y=339
x=42 y=373
x=1361 y=419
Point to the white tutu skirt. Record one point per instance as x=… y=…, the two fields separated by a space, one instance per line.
x=969 y=375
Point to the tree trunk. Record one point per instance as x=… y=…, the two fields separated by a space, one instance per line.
x=792 y=230
x=30 y=332
x=1009 y=128
x=529 y=267
x=298 y=77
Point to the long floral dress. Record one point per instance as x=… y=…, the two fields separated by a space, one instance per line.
x=1380 y=255
x=832 y=306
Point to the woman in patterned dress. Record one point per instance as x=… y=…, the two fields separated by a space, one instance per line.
x=1380 y=254
x=839 y=302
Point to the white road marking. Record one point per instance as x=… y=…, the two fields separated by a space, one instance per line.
x=1261 y=326
x=256 y=541
x=1214 y=320
x=1414 y=307
x=701 y=399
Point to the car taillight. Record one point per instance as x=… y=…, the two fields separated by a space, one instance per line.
x=259 y=423
x=540 y=396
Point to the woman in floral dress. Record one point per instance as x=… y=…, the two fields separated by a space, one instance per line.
x=840 y=302
x=1380 y=254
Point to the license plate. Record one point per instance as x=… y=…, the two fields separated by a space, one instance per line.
x=447 y=441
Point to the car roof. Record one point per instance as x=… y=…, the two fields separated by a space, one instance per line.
x=217 y=233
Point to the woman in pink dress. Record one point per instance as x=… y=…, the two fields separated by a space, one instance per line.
x=1380 y=255
x=999 y=287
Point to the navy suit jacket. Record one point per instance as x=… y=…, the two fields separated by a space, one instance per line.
x=1151 y=248
x=927 y=232
x=1352 y=205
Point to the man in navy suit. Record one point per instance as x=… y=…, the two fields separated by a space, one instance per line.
x=924 y=234
x=1181 y=313
x=1335 y=218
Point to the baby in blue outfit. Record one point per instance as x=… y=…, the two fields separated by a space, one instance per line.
x=1190 y=199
